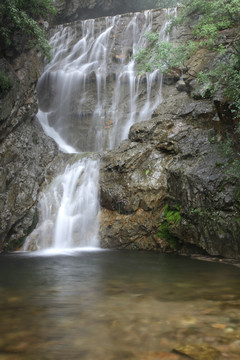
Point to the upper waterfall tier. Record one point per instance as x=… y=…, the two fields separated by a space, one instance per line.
x=90 y=94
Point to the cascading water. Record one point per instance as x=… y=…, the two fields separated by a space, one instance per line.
x=89 y=96
x=69 y=209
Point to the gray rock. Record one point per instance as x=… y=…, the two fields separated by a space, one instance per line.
x=169 y=160
x=181 y=85
x=25 y=151
x=24 y=157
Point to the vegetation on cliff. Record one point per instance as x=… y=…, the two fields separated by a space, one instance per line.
x=24 y=17
x=171 y=218
x=210 y=20
x=214 y=26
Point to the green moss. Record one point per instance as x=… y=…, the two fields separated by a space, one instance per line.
x=205 y=213
x=237 y=194
x=219 y=164
x=5 y=83
x=16 y=244
x=165 y=233
x=199 y=212
x=172 y=217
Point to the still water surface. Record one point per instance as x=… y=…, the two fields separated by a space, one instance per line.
x=109 y=305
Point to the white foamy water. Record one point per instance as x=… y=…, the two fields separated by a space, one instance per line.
x=69 y=210
x=91 y=93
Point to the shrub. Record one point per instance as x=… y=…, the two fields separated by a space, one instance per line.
x=172 y=217
x=23 y=16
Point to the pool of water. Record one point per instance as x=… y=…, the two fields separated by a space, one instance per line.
x=109 y=305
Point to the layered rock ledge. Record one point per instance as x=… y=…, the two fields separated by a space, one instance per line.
x=171 y=160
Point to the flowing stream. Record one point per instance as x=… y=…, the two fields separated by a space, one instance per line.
x=90 y=94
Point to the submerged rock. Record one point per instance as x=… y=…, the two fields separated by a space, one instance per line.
x=198 y=352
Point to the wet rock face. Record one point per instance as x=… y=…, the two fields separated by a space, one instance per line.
x=206 y=195
x=170 y=160
x=71 y=10
x=133 y=187
x=24 y=156
x=208 y=207
x=23 y=72
x=196 y=180
x=25 y=150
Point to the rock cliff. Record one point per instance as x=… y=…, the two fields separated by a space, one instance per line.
x=172 y=160
x=72 y=10
x=25 y=151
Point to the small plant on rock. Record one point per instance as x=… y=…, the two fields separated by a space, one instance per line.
x=5 y=84
x=171 y=218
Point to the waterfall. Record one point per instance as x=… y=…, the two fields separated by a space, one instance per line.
x=69 y=209
x=90 y=94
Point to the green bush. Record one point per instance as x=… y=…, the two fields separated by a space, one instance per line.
x=211 y=18
x=171 y=218
x=23 y=16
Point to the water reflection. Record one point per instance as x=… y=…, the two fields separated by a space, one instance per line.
x=115 y=305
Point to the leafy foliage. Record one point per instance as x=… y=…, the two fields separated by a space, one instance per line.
x=172 y=217
x=210 y=19
x=210 y=22
x=212 y=16
x=23 y=15
x=163 y=55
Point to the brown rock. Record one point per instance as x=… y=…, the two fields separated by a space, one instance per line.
x=199 y=352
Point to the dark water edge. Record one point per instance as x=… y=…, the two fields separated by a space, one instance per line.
x=116 y=305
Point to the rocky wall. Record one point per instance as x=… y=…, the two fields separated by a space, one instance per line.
x=71 y=10
x=169 y=160
x=172 y=160
x=25 y=151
